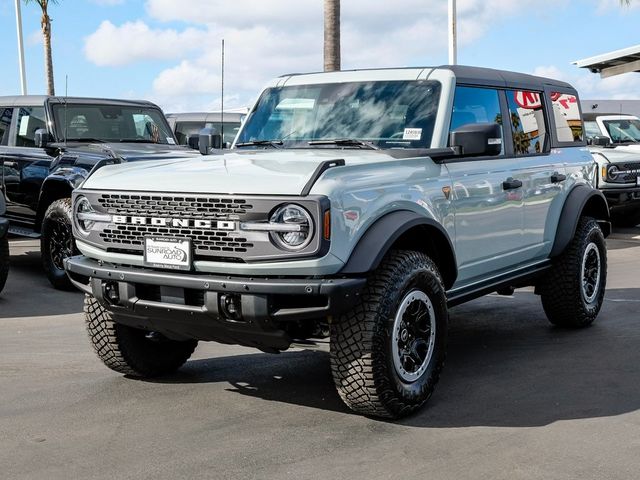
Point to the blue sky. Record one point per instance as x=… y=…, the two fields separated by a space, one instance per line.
x=168 y=50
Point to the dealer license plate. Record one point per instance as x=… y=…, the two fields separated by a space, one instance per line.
x=166 y=252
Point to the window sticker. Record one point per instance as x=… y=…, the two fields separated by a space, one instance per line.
x=24 y=126
x=171 y=141
x=412 y=134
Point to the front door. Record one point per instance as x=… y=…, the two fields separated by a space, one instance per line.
x=25 y=166
x=489 y=214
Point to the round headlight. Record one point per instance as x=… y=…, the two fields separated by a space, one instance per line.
x=82 y=207
x=297 y=226
x=613 y=171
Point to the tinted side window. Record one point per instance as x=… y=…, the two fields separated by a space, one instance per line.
x=475 y=105
x=567 y=117
x=5 y=124
x=30 y=119
x=528 y=126
x=592 y=129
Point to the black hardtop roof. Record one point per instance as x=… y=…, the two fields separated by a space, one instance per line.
x=31 y=100
x=480 y=76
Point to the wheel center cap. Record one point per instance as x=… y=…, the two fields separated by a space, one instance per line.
x=404 y=335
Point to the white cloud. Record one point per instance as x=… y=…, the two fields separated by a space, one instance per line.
x=269 y=38
x=35 y=38
x=591 y=86
x=135 y=41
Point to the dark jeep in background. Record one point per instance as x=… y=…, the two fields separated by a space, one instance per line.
x=48 y=146
x=4 y=246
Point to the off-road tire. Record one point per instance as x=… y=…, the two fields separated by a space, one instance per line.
x=562 y=291
x=57 y=222
x=4 y=262
x=127 y=350
x=361 y=340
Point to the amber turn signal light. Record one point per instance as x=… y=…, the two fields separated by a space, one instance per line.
x=327 y=225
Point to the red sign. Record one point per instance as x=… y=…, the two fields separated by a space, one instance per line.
x=528 y=100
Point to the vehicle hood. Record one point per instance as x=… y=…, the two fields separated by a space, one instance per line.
x=619 y=154
x=131 y=152
x=283 y=172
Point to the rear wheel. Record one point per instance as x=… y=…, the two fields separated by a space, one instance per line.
x=132 y=351
x=4 y=262
x=573 y=292
x=388 y=351
x=56 y=242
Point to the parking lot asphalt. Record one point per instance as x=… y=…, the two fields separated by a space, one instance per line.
x=518 y=399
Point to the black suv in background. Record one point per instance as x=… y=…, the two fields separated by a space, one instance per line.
x=4 y=246
x=48 y=146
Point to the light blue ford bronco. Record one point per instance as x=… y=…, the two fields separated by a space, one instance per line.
x=354 y=206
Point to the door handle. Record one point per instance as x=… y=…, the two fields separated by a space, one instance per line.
x=511 y=184
x=558 y=177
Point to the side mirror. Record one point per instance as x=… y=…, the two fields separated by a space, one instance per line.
x=600 y=140
x=477 y=139
x=193 y=141
x=209 y=138
x=42 y=138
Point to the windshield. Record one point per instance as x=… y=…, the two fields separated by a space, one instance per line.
x=111 y=123
x=390 y=114
x=623 y=131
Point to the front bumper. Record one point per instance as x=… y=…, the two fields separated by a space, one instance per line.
x=622 y=197
x=4 y=227
x=190 y=305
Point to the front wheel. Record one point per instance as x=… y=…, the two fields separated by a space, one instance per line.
x=573 y=292
x=56 y=242
x=131 y=351
x=388 y=351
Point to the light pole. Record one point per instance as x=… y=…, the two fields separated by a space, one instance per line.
x=453 y=43
x=23 y=75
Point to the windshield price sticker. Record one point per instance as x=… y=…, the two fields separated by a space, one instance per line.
x=173 y=253
x=412 y=134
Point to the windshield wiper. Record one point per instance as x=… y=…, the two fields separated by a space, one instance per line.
x=136 y=140
x=345 y=142
x=85 y=139
x=258 y=143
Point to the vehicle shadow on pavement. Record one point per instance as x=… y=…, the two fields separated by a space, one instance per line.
x=506 y=367
x=28 y=293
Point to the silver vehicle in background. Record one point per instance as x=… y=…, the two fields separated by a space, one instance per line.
x=355 y=207
x=615 y=143
x=187 y=126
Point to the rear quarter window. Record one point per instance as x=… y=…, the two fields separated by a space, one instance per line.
x=566 y=114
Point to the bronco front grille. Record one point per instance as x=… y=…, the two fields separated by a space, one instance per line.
x=182 y=206
x=205 y=242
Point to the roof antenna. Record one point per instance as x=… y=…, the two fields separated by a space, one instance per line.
x=222 y=99
x=66 y=94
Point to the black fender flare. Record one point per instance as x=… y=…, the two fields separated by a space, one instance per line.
x=378 y=239
x=58 y=185
x=582 y=199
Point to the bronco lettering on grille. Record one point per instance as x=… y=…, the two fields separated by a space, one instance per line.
x=174 y=222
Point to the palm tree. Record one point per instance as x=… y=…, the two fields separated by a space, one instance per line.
x=331 y=35
x=45 y=23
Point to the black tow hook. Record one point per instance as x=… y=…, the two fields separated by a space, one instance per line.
x=231 y=306
x=111 y=293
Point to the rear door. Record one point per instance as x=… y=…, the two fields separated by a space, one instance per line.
x=541 y=171
x=28 y=165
